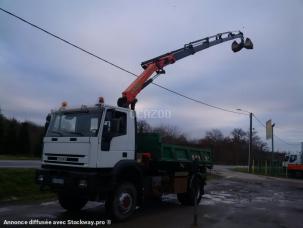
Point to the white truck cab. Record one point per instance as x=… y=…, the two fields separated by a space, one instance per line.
x=91 y=137
x=89 y=154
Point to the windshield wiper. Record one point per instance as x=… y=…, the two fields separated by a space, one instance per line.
x=57 y=132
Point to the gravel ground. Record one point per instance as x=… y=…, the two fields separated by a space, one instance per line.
x=235 y=200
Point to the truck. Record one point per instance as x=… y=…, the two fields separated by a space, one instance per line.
x=293 y=163
x=95 y=153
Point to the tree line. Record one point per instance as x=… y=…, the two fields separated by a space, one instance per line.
x=25 y=138
x=20 y=138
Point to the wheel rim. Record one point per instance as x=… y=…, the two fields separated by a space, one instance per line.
x=198 y=194
x=195 y=193
x=197 y=190
x=125 y=202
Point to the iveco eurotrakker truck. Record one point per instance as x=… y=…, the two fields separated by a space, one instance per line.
x=95 y=153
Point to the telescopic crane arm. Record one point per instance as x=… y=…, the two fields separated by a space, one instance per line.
x=157 y=64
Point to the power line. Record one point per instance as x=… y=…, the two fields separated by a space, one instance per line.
x=117 y=66
x=67 y=42
x=288 y=143
x=198 y=101
x=260 y=122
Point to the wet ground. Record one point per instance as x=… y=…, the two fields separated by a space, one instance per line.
x=235 y=200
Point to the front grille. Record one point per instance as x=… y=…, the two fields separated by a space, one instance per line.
x=71 y=159
x=69 y=155
x=59 y=162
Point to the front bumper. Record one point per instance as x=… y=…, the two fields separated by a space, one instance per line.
x=89 y=181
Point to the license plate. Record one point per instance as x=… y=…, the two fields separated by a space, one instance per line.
x=58 y=181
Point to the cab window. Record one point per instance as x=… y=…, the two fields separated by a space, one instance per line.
x=115 y=124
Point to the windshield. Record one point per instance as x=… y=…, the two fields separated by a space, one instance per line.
x=80 y=124
x=293 y=158
x=286 y=158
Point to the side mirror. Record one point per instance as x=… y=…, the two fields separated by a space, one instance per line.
x=106 y=136
x=47 y=122
x=106 y=127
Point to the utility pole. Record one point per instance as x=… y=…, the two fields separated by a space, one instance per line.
x=250 y=143
x=250 y=140
x=195 y=184
x=272 y=142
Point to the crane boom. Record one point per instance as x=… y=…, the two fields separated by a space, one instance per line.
x=157 y=64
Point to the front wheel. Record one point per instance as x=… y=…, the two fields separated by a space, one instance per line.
x=71 y=202
x=122 y=203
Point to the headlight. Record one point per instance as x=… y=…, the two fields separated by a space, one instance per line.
x=40 y=178
x=82 y=183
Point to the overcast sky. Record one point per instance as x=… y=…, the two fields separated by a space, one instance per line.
x=38 y=72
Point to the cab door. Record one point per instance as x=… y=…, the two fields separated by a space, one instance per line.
x=117 y=141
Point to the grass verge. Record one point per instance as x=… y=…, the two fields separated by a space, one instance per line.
x=240 y=169
x=244 y=170
x=19 y=185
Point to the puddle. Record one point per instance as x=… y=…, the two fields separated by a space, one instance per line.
x=261 y=208
x=92 y=204
x=218 y=197
x=49 y=203
x=169 y=198
x=262 y=199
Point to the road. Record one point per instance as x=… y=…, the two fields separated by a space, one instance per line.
x=235 y=200
x=20 y=163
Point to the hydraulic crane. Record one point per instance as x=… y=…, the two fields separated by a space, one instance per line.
x=157 y=64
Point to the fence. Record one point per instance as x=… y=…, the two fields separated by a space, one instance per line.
x=271 y=168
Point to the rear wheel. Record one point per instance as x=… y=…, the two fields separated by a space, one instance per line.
x=71 y=202
x=195 y=190
x=122 y=203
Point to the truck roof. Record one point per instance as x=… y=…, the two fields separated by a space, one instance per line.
x=83 y=108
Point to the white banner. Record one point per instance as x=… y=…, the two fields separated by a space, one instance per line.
x=268 y=129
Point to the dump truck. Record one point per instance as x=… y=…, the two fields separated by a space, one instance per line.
x=94 y=153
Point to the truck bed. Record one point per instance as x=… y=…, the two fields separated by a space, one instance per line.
x=170 y=153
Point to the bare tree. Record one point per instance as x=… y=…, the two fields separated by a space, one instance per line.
x=171 y=134
x=257 y=142
x=238 y=135
x=215 y=135
x=143 y=126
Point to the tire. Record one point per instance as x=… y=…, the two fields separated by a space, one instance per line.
x=194 y=192
x=71 y=202
x=122 y=203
